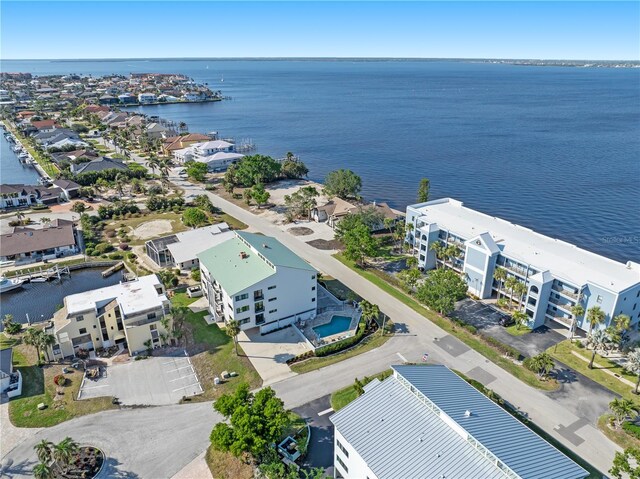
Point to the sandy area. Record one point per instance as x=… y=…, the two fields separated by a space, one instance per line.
x=151 y=229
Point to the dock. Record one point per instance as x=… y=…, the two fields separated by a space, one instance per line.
x=116 y=267
x=47 y=274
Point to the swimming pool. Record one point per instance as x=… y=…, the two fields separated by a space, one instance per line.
x=338 y=324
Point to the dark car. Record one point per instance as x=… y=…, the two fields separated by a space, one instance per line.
x=507 y=321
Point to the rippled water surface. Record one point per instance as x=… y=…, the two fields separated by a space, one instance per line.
x=554 y=149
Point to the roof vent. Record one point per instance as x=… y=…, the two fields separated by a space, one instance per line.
x=467 y=413
x=243 y=255
x=264 y=245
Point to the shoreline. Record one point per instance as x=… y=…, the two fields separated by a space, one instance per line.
x=36 y=164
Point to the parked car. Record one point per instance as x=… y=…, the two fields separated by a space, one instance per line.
x=507 y=321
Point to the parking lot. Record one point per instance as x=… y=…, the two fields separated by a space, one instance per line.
x=157 y=380
x=487 y=320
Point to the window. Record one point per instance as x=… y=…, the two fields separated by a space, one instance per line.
x=599 y=299
x=346 y=469
x=313 y=288
x=342 y=448
x=240 y=297
x=153 y=327
x=82 y=331
x=313 y=277
x=257 y=295
x=272 y=287
x=273 y=311
x=259 y=307
x=272 y=299
x=244 y=320
x=94 y=326
x=421 y=257
x=80 y=318
x=242 y=309
x=313 y=300
x=260 y=318
x=151 y=316
x=56 y=349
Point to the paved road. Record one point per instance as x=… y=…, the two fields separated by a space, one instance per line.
x=320 y=451
x=132 y=437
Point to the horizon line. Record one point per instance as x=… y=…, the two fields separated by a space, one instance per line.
x=333 y=58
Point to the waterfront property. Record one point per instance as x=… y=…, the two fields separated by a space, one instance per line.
x=70 y=189
x=173 y=143
x=257 y=281
x=216 y=154
x=27 y=244
x=99 y=164
x=557 y=275
x=336 y=209
x=127 y=314
x=181 y=249
x=426 y=421
x=10 y=379
x=22 y=196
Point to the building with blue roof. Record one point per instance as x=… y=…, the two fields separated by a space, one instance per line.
x=425 y=421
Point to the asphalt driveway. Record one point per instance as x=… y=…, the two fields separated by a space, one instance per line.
x=320 y=451
x=158 y=380
x=486 y=319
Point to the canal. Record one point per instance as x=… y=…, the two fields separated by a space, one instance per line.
x=41 y=300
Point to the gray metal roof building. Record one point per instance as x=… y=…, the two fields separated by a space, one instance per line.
x=427 y=422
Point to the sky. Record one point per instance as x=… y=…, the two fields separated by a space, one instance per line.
x=170 y=29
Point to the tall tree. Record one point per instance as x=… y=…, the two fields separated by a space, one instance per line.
x=595 y=316
x=622 y=410
x=439 y=249
x=423 y=191
x=520 y=318
x=370 y=312
x=598 y=340
x=577 y=310
x=500 y=275
x=233 y=329
x=626 y=464
x=343 y=184
x=542 y=364
x=46 y=340
x=259 y=194
x=441 y=289
x=359 y=244
x=32 y=338
x=633 y=365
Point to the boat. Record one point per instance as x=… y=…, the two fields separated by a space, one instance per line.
x=17 y=148
x=23 y=155
x=8 y=284
x=41 y=279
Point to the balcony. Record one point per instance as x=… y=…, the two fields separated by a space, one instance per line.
x=565 y=292
x=515 y=269
x=564 y=307
x=560 y=319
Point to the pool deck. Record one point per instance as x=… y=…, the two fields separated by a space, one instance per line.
x=325 y=318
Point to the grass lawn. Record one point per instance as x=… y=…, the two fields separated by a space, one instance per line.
x=514 y=331
x=38 y=387
x=336 y=288
x=563 y=353
x=131 y=224
x=465 y=336
x=619 y=436
x=224 y=465
x=212 y=352
x=344 y=396
x=234 y=223
x=372 y=342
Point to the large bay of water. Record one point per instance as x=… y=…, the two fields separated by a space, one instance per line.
x=553 y=149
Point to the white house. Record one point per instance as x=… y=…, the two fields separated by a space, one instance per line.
x=257 y=281
x=181 y=249
x=216 y=154
x=147 y=98
x=128 y=313
x=425 y=421
x=10 y=380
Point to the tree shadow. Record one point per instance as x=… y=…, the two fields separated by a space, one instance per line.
x=564 y=375
x=111 y=469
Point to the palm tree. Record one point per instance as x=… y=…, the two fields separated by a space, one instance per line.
x=32 y=338
x=44 y=451
x=233 y=329
x=439 y=250
x=500 y=274
x=369 y=311
x=20 y=216
x=520 y=318
x=47 y=340
x=163 y=167
x=598 y=340
x=451 y=252
x=521 y=289
x=64 y=451
x=542 y=363
x=510 y=283
x=179 y=315
x=119 y=183
x=622 y=409
x=44 y=220
x=43 y=471
x=153 y=162
x=633 y=365
x=577 y=310
x=595 y=316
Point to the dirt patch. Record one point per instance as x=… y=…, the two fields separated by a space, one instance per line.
x=151 y=229
x=300 y=231
x=326 y=245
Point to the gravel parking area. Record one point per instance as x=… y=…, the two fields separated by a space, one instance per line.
x=158 y=380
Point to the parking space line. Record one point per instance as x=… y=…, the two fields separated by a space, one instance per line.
x=182 y=377
x=190 y=385
x=402 y=358
x=326 y=411
x=183 y=367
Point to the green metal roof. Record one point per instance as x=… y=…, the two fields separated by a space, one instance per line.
x=274 y=251
x=234 y=273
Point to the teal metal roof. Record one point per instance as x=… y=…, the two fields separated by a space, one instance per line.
x=274 y=251
x=231 y=270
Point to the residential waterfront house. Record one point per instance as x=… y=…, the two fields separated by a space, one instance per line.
x=127 y=314
x=27 y=244
x=70 y=189
x=99 y=164
x=157 y=131
x=257 y=281
x=181 y=249
x=22 y=196
x=216 y=154
x=173 y=143
x=336 y=209
x=558 y=275
x=147 y=98
x=426 y=421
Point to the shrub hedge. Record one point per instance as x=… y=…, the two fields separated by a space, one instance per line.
x=632 y=429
